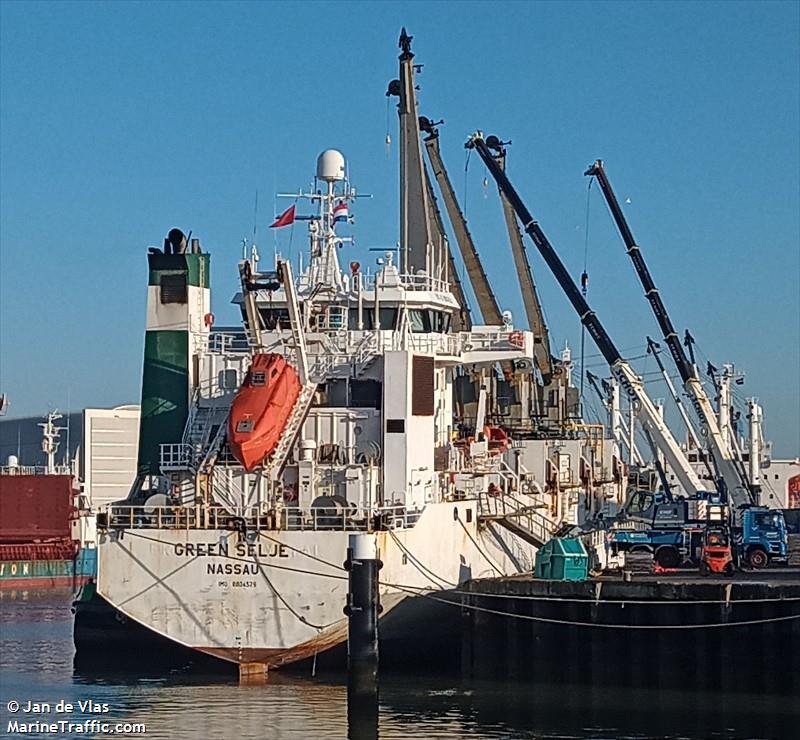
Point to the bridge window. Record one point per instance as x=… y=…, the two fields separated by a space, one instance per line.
x=426 y=321
x=388 y=318
x=419 y=321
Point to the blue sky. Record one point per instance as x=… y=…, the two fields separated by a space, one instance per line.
x=120 y=120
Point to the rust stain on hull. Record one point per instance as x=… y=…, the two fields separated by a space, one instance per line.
x=276 y=657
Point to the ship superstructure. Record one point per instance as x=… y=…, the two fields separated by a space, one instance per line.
x=348 y=401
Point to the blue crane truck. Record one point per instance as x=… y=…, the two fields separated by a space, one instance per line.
x=674 y=530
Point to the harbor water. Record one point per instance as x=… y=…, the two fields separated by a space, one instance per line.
x=37 y=665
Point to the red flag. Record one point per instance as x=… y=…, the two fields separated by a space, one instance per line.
x=285 y=219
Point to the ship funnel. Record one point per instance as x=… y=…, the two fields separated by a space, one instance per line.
x=330 y=166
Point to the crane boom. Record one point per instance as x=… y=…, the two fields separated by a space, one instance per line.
x=530 y=297
x=653 y=348
x=487 y=302
x=461 y=320
x=730 y=482
x=646 y=411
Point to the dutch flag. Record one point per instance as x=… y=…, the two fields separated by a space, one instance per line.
x=340 y=212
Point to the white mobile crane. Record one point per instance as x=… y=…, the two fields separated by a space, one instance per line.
x=732 y=485
x=646 y=411
x=760 y=534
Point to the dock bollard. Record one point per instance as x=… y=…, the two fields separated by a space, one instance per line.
x=362 y=610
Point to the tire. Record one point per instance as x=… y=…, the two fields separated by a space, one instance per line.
x=667 y=557
x=729 y=570
x=704 y=569
x=757 y=559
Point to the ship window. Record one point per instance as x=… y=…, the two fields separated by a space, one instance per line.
x=259 y=379
x=388 y=317
x=441 y=322
x=244 y=426
x=173 y=288
x=419 y=321
x=395 y=426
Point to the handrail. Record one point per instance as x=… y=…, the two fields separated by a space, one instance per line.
x=281 y=518
x=34 y=470
x=528 y=517
x=409 y=281
x=221 y=343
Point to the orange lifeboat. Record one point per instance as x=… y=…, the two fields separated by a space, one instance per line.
x=261 y=409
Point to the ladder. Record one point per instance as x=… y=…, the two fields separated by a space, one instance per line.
x=215 y=446
x=299 y=413
x=303 y=403
x=298 y=343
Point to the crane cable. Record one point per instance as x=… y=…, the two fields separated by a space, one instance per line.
x=585 y=279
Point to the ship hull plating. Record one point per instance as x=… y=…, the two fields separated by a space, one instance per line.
x=277 y=597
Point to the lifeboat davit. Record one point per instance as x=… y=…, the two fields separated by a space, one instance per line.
x=261 y=409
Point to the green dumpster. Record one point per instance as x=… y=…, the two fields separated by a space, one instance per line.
x=562 y=559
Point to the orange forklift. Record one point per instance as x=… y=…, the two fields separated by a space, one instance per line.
x=716 y=555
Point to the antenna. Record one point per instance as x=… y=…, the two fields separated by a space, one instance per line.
x=255 y=217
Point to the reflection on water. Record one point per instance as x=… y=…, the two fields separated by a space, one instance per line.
x=36 y=662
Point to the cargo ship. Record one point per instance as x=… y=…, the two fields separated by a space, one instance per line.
x=44 y=523
x=351 y=401
x=347 y=400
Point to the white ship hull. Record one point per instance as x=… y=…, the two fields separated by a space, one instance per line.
x=275 y=597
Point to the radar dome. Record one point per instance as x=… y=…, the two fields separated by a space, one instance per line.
x=330 y=165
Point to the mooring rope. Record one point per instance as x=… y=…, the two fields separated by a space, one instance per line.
x=425 y=592
x=478 y=548
x=415 y=562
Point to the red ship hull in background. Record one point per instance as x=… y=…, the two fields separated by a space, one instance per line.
x=37 y=547
x=261 y=409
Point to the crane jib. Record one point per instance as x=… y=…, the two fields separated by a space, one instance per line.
x=729 y=480
x=685 y=368
x=588 y=318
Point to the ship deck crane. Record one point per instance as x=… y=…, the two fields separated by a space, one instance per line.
x=530 y=297
x=484 y=295
x=646 y=411
x=729 y=481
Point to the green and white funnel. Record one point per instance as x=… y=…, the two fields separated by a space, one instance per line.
x=178 y=318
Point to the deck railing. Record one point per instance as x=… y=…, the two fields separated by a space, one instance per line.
x=35 y=470
x=281 y=519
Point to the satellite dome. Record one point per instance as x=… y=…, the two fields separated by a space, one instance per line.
x=330 y=166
